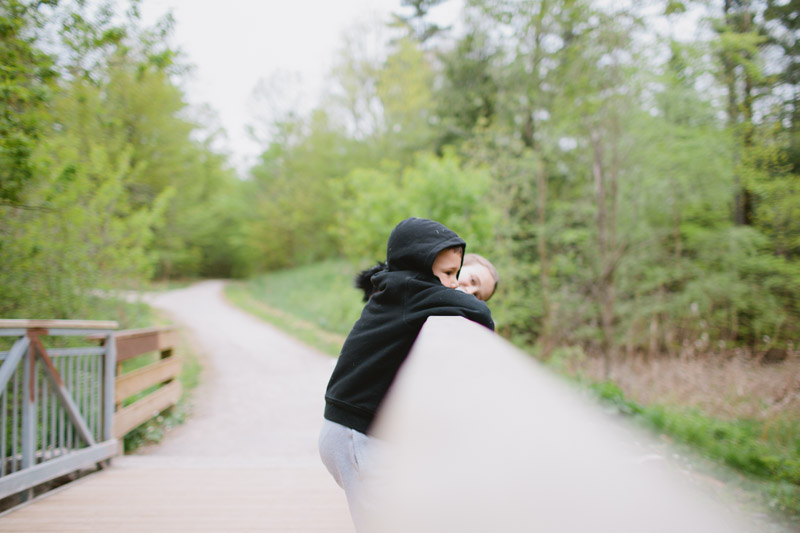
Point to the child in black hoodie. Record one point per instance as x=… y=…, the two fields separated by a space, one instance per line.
x=423 y=258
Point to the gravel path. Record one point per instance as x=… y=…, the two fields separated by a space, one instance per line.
x=261 y=393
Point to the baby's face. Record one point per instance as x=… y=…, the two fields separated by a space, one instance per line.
x=446 y=265
x=477 y=280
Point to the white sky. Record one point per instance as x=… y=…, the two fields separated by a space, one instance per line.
x=235 y=43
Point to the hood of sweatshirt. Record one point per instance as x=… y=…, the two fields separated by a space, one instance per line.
x=415 y=242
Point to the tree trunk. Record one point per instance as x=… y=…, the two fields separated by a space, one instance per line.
x=544 y=275
x=605 y=236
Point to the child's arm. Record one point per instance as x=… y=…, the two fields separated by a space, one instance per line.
x=448 y=302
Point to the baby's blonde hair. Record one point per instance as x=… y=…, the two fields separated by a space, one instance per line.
x=475 y=259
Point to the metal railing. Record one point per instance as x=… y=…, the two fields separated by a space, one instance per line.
x=56 y=404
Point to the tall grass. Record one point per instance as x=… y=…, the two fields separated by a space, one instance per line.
x=316 y=303
x=765 y=453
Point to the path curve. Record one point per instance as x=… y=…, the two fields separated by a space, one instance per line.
x=261 y=395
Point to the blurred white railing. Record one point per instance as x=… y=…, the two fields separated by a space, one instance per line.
x=479 y=438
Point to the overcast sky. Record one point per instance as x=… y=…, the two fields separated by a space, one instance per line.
x=235 y=43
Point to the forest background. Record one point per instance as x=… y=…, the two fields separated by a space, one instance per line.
x=638 y=194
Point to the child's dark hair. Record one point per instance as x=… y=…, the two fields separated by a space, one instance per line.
x=363 y=279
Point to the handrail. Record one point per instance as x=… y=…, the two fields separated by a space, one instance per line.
x=24 y=323
x=479 y=437
x=65 y=409
x=163 y=372
x=56 y=405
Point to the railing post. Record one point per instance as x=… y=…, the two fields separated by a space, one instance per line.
x=109 y=378
x=28 y=414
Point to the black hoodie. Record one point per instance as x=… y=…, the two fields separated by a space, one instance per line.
x=405 y=295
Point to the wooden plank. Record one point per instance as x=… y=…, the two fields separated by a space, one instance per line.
x=140 y=497
x=141 y=378
x=61 y=324
x=127 y=333
x=53 y=468
x=137 y=413
x=137 y=342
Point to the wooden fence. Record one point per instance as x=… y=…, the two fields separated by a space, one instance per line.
x=143 y=393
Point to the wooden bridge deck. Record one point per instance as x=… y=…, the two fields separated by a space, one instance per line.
x=146 y=495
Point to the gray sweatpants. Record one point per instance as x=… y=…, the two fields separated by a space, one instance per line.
x=349 y=456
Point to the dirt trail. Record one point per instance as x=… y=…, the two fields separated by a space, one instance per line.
x=261 y=392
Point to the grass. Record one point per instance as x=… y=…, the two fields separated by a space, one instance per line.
x=315 y=303
x=764 y=454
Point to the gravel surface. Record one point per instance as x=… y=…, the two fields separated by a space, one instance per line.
x=261 y=395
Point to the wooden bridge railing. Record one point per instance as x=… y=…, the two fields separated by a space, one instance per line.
x=64 y=409
x=478 y=437
x=159 y=378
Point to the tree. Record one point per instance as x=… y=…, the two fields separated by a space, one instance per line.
x=404 y=89
x=466 y=98
x=373 y=201
x=293 y=212
x=419 y=29
x=28 y=76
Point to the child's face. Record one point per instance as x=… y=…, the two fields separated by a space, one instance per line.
x=477 y=280
x=446 y=265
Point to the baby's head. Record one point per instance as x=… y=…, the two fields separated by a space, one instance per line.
x=478 y=277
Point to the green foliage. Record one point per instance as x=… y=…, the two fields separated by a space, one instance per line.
x=404 y=90
x=101 y=180
x=292 y=205
x=85 y=237
x=600 y=176
x=612 y=394
x=373 y=201
x=765 y=450
x=26 y=82
x=467 y=97
x=320 y=293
